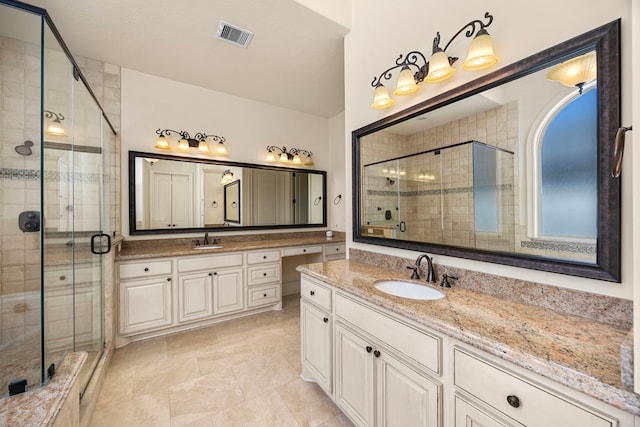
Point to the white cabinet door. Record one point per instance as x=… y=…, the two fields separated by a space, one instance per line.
x=228 y=291
x=405 y=397
x=354 y=377
x=181 y=201
x=316 y=344
x=195 y=296
x=468 y=415
x=145 y=305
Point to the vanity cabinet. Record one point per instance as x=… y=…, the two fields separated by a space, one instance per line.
x=145 y=296
x=264 y=282
x=210 y=285
x=335 y=251
x=391 y=371
x=520 y=399
x=316 y=334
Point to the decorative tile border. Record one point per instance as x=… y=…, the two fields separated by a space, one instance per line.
x=436 y=192
x=50 y=176
x=578 y=248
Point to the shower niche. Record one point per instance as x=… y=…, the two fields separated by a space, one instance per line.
x=458 y=195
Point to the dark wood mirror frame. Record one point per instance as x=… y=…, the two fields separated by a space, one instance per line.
x=606 y=41
x=132 y=196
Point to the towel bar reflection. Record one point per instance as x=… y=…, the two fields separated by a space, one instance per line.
x=618 y=150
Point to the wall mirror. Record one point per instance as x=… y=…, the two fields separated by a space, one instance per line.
x=173 y=194
x=512 y=168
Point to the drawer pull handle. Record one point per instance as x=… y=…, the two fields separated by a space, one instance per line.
x=513 y=401
x=312 y=293
x=376 y=353
x=63 y=277
x=146 y=269
x=326 y=319
x=368 y=348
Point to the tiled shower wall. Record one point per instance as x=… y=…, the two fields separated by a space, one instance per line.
x=20 y=110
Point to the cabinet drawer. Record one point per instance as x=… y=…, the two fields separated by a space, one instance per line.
x=144 y=269
x=535 y=406
x=315 y=293
x=209 y=262
x=261 y=274
x=303 y=250
x=263 y=256
x=262 y=295
x=418 y=345
x=335 y=249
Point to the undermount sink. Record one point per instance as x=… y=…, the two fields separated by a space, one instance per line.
x=208 y=247
x=401 y=288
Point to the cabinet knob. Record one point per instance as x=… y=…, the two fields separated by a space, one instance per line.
x=312 y=293
x=63 y=277
x=513 y=401
x=264 y=274
x=265 y=295
x=215 y=273
x=326 y=319
x=304 y=250
x=146 y=269
x=210 y=274
x=337 y=249
x=264 y=257
x=168 y=279
x=376 y=353
x=368 y=348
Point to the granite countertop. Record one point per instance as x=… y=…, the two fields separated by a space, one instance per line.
x=578 y=352
x=173 y=248
x=41 y=406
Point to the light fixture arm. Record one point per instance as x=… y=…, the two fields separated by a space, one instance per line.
x=203 y=137
x=411 y=59
x=57 y=117
x=470 y=32
x=166 y=132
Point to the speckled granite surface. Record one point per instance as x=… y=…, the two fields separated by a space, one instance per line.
x=40 y=407
x=578 y=352
x=141 y=249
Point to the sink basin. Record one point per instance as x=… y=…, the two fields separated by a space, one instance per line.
x=410 y=290
x=208 y=247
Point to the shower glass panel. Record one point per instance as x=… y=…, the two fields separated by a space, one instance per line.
x=20 y=266
x=53 y=187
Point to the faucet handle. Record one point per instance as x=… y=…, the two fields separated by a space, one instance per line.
x=445 y=282
x=414 y=275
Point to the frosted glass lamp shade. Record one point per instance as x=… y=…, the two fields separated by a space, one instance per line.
x=221 y=149
x=575 y=72
x=439 y=67
x=183 y=145
x=296 y=159
x=480 y=54
x=381 y=98
x=56 y=129
x=406 y=82
x=162 y=143
x=270 y=157
x=203 y=147
x=284 y=157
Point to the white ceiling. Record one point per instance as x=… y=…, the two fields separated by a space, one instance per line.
x=295 y=59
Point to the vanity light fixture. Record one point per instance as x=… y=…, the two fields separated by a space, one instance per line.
x=227 y=177
x=55 y=128
x=439 y=66
x=186 y=142
x=575 y=72
x=293 y=155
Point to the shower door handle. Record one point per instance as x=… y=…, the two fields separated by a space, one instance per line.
x=98 y=248
x=403 y=226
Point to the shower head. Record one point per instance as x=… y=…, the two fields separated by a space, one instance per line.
x=25 y=149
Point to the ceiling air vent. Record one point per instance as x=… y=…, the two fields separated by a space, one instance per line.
x=233 y=34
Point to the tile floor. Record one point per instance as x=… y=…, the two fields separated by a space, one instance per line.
x=244 y=372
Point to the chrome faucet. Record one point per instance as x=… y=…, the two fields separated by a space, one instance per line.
x=431 y=277
x=206 y=239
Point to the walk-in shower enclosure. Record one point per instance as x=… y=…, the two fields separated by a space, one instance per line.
x=55 y=141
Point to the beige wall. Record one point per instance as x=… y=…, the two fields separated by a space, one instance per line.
x=150 y=102
x=519 y=29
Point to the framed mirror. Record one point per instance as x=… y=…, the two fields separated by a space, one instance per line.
x=512 y=168
x=232 y=202
x=173 y=194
